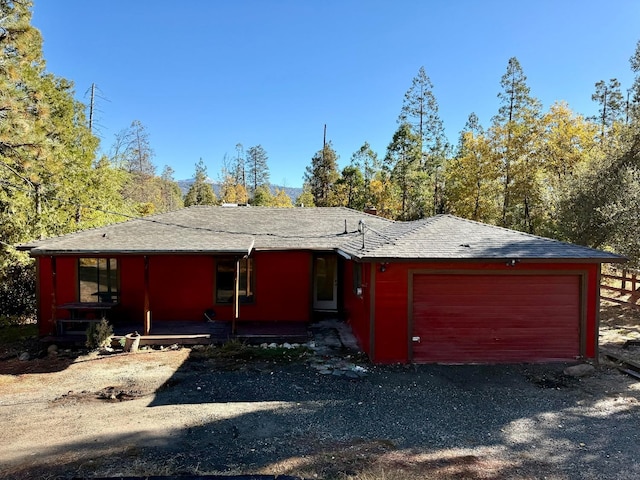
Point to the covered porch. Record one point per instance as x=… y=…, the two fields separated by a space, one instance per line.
x=195 y=333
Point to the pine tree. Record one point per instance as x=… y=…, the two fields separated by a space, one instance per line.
x=366 y=160
x=349 y=188
x=200 y=192
x=46 y=148
x=322 y=174
x=513 y=133
x=611 y=102
x=633 y=102
x=420 y=111
x=403 y=163
x=262 y=197
x=258 y=170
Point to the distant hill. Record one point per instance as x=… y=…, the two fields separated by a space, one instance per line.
x=293 y=192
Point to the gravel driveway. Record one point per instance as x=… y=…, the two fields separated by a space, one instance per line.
x=187 y=414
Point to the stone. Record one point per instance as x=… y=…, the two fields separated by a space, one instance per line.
x=24 y=356
x=52 y=349
x=287 y=346
x=273 y=345
x=581 y=370
x=264 y=345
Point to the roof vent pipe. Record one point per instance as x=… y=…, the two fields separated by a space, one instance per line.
x=345 y=226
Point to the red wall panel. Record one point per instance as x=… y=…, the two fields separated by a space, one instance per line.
x=45 y=298
x=356 y=311
x=131 y=308
x=180 y=287
x=283 y=289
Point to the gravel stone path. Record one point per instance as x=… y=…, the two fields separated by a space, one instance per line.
x=180 y=414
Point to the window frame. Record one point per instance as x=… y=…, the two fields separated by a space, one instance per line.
x=247 y=287
x=110 y=289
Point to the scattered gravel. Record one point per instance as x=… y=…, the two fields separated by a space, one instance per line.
x=184 y=415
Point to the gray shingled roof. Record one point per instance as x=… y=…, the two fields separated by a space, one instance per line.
x=239 y=230
x=225 y=230
x=448 y=237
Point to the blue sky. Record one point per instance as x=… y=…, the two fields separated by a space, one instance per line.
x=204 y=75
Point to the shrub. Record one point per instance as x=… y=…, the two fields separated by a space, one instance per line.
x=18 y=292
x=99 y=334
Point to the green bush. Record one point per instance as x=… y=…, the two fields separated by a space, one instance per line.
x=18 y=292
x=99 y=334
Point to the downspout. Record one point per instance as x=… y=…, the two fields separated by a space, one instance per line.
x=372 y=311
x=54 y=289
x=147 y=313
x=236 y=296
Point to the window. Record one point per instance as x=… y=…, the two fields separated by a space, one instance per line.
x=225 y=276
x=98 y=280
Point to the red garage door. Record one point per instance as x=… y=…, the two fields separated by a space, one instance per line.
x=466 y=318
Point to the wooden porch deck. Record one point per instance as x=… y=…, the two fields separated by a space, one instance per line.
x=203 y=333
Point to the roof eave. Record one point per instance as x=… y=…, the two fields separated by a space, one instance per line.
x=372 y=259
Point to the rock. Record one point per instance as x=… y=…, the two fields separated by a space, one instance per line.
x=264 y=345
x=24 y=356
x=273 y=345
x=287 y=346
x=581 y=370
x=52 y=349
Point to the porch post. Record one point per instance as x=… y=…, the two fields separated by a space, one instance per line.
x=236 y=296
x=147 y=314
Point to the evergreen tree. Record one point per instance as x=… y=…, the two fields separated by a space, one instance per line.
x=633 y=102
x=200 y=192
x=239 y=171
x=258 y=170
x=403 y=163
x=514 y=131
x=262 y=197
x=349 y=188
x=366 y=160
x=322 y=174
x=420 y=111
x=611 y=102
x=46 y=148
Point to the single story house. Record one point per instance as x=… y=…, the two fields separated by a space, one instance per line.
x=440 y=289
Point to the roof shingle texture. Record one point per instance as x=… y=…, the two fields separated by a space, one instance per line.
x=205 y=229
x=239 y=230
x=449 y=237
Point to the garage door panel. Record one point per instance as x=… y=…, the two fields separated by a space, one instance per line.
x=496 y=318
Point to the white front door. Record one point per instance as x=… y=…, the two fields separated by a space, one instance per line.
x=325 y=282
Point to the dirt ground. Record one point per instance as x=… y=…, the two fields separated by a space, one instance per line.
x=181 y=411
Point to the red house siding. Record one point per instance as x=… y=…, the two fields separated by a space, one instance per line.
x=131 y=307
x=282 y=289
x=182 y=287
x=356 y=307
x=391 y=303
x=65 y=290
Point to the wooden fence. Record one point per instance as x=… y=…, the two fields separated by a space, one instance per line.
x=625 y=282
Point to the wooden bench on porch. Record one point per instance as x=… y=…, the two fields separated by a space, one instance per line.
x=82 y=313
